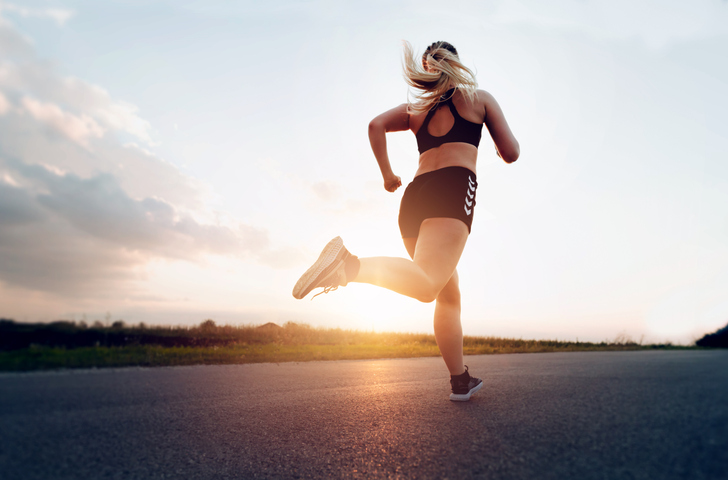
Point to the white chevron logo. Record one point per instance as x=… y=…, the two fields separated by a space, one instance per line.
x=470 y=194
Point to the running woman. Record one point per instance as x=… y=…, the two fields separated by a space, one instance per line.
x=437 y=207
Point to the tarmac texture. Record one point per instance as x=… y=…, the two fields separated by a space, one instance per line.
x=587 y=415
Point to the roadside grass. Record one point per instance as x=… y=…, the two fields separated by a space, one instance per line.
x=43 y=358
x=209 y=344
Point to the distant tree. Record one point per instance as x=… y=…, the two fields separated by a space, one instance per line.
x=63 y=325
x=718 y=339
x=119 y=324
x=208 y=325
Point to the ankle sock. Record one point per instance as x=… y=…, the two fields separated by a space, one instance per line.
x=463 y=377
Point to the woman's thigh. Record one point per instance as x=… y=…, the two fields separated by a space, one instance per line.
x=410 y=243
x=438 y=248
x=451 y=291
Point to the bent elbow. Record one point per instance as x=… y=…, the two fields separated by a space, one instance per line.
x=513 y=155
x=375 y=126
x=511 y=158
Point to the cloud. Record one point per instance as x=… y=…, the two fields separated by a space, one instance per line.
x=96 y=224
x=39 y=252
x=78 y=129
x=11 y=41
x=71 y=95
x=40 y=109
x=41 y=133
x=114 y=114
x=60 y=15
x=16 y=207
x=83 y=210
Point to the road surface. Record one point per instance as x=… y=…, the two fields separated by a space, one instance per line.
x=596 y=415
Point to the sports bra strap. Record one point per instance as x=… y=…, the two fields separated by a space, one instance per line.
x=443 y=101
x=462 y=131
x=431 y=114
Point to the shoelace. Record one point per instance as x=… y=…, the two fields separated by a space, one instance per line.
x=335 y=283
x=327 y=289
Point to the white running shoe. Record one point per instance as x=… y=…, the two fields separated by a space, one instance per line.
x=327 y=272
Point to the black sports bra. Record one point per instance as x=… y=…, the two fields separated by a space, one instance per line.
x=462 y=131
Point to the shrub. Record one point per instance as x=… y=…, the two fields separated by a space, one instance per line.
x=717 y=339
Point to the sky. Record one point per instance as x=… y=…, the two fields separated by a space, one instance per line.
x=171 y=161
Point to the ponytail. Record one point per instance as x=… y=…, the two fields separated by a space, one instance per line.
x=446 y=69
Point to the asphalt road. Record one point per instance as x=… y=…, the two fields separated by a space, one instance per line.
x=633 y=415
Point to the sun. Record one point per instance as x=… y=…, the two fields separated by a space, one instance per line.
x=369 y=308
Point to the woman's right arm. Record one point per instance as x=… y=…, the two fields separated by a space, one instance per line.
x=394 y=120
x=506 y=144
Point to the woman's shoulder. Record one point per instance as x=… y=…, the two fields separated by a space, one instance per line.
x=486 y=100
x=483 y=96
x=473 y=107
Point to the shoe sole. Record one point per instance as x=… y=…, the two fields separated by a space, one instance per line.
x=464 y=397
x=320 y=270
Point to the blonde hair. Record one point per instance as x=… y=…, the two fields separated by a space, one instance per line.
x=447 y=69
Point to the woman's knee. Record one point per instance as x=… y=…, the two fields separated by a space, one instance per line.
x=427 y=294
x=450 y=294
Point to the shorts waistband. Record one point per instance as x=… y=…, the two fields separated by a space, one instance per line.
x=424 y=176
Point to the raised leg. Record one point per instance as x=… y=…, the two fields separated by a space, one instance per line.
x=436 y=255
x=437 y=250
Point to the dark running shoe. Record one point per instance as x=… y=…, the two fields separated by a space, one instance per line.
x=327 y=272
x=463 y=386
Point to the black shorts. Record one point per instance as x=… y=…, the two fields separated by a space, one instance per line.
x=448 y=192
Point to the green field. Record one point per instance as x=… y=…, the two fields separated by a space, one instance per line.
x=59 y=345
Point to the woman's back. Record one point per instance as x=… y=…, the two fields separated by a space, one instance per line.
x=448 y=135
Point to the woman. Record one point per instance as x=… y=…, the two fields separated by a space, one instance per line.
x=436 y=212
